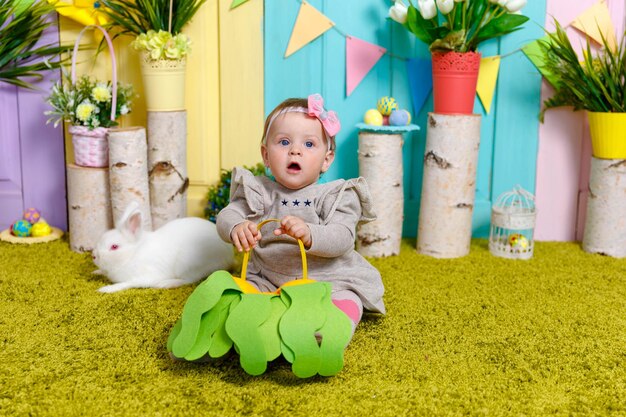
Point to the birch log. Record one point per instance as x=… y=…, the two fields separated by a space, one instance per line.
x=167 y=165
x=449 y=185
x=89 y=206
x=605 y=226
x=128 y=172
x=380 y=163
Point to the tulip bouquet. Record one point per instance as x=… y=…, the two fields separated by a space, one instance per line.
x=458 y=25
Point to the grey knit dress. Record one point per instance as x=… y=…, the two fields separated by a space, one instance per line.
x=332 y=212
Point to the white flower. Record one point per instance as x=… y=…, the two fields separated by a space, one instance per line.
x=124 y=109
x=515 y=5
x=398 y=12
x=445 y=6
x=428 y=9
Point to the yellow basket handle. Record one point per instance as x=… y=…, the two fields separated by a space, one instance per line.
x=246 y=255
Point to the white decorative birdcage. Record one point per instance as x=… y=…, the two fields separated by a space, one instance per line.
x=513 y=224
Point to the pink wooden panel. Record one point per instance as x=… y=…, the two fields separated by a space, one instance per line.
x=564 y=144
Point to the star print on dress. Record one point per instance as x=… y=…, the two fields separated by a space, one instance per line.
x=307 y=203
x=296 y=203
x=284 y=202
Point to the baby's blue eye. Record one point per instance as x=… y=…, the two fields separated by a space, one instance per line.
x=284 y=142
x=308 y=144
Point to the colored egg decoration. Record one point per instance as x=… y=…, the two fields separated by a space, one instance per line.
x=518 y=241
x=385 y=120
x=21 y=228
x=32 y=215
x=373 y=117
x=386 y=105
x=40 y=229
x=399 y=118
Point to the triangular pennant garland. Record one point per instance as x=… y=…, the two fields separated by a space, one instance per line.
x=310 y=24
x=596 y=23
x=361 y=56
x=237 y=3
x=535 y=54
x=487 y=78
x=420 y=73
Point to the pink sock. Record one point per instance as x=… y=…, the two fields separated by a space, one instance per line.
x=351 y=309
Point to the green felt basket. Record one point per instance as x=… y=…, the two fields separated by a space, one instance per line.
x=298 y=321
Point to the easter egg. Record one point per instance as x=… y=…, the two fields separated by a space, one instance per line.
x=399 y=118
x=385 y=120
x=386 y=105
x=518 y=241
x=32 y=215
x=373 y=117
x=40 y=229
x=21 y=228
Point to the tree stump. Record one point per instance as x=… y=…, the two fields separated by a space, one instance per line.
x=380 y=163
x=128 y=172
x=449 y=185
x=167 y=165
x=605 y=226
x=89 y=206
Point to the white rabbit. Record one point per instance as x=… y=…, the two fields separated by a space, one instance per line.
x=178 y=253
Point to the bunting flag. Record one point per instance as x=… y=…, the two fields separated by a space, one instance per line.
x=596 y=23
x=487 y=78
x=420 y=73
x=361 y=56
x=310 y=24
x=534 y=53
x=84 y=12
x=237 y=3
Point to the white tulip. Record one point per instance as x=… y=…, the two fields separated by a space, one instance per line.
x=428 y=9
x=515 y=5
x=445 y=6
x=398 y=12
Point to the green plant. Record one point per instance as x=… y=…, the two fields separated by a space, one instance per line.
x=22 y=56
x=458 y=25
x=218 y=196
x=163 y=45
x=597 y=84
x=88 y=102
x=140 y=16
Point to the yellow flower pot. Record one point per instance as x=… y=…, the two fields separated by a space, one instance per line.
x=608 y=135
x=163 y=84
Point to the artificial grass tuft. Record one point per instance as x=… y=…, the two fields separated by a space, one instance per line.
x=478 y=335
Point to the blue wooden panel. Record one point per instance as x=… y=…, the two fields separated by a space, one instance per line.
x=508 y=135
x=518 y=106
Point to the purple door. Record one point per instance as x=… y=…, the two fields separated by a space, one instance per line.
x=32 y=154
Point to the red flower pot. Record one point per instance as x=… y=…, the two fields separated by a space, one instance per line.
x=455 y=75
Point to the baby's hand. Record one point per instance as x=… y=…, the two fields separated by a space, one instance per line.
x=295 y=227
x=245 y=236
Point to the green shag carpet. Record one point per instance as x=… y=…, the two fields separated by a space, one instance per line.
x=472 y=336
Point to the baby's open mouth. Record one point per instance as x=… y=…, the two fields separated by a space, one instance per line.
x=294 y=166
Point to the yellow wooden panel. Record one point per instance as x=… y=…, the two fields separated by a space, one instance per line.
x=241 y=81
x=224 y=90
x=202 y=101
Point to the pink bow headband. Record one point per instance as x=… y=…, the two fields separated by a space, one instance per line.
x=328 y=119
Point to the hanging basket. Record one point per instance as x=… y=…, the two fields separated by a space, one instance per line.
x=163 y=83
x=224 y=311
x=91 y=148
x=512 y=225
x=608 y=134
x=455 y=75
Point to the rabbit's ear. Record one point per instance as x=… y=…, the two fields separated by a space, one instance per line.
x=132 y=225
x=132 y=207
x=131 y=220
